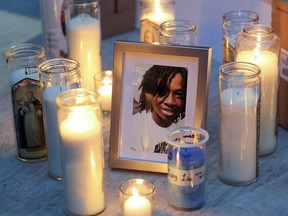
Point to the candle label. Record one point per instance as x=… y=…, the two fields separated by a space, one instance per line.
x=284 y=65
x=186 y=178
x=149 y=31
x=28 y=117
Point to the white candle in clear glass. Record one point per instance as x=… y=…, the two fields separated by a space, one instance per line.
x=238 y=134
x=268 y=62
x=105 y=92
x=84 y=42
x=137 y=205
x=153 y=14
x=82 y=160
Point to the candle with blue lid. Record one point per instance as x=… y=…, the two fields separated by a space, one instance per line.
x=186 y=167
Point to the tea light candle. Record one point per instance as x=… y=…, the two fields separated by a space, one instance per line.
x=268 y=62
x=137 y=205
x=105 y=91
x=137 y=197
x=84 y=41
x=82 y=158
x=238 y=141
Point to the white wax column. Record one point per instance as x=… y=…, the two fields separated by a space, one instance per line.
x=84 y=42
x=51 y=130
x=137 y=206
x=268 y=62
x=238 y=134
x=105 y=93
x=82 y=160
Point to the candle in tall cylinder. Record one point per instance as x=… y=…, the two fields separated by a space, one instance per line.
x=259 y=45
x=56 y=76
x=268 y=62
x=239 y=102
x=153 y=13
x=82 y=152
x=84 y=41
x=238 y=134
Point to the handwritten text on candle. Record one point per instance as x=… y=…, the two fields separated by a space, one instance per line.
x=186 y=177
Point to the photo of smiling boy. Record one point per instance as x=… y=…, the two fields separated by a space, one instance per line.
x=161 y=105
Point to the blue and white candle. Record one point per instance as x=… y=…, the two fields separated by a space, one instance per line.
x=186 y=167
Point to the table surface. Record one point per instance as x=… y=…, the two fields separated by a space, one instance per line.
x=26 y=188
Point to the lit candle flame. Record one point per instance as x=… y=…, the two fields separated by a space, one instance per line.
x=135 y=192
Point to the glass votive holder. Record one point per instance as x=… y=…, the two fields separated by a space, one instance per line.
x=178 y=32
x=137 y=197
x=82 y=154
x=186 y=167
x=103 y=86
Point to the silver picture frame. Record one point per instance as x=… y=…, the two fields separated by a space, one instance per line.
x=131 y=60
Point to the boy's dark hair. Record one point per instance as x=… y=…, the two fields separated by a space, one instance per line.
x=156 y=81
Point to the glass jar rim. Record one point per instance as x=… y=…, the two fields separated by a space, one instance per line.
x=151 y=4
x=56 y=66
x=253 y=69
x=177 y=27
x=25 y=51
x=153 y=188
x=72 y=98
x=258 y=30
x=183 y=129
x=241 y=16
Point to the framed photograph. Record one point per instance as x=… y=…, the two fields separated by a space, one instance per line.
x=155 y=87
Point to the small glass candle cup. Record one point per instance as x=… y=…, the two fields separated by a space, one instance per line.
x=232 y=23
x=137 y=197
x=239 y=102
x=103 y=86
x=186 y=167
x=82 y=154
x=178 y=32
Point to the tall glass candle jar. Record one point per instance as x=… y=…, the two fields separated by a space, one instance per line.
x=23 y=61
x=259 y=45
x=152 y=14
x=82 y=154
x=186 y=167
x=239 y=90
x=53 y=28
x=83 y=28
x=56 y=76
x=232 y=23
x=178 y=32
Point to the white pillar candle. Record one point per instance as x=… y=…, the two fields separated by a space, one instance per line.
x=238 y=134
x=105 y=93
x=84 y=42
x=137 y=206
x=51 y=130
x=82 y=160
x=268 y=62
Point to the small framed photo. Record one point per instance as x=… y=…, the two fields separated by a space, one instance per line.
x=155 y=87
